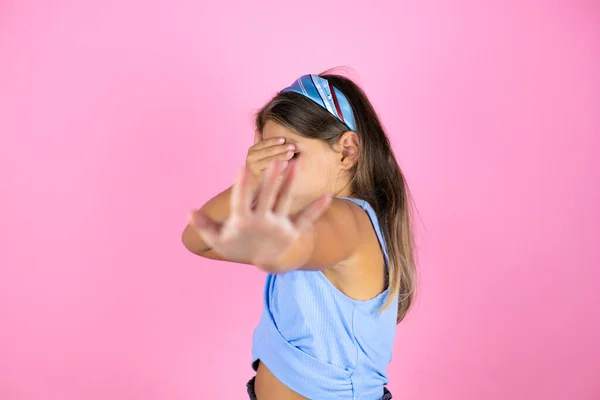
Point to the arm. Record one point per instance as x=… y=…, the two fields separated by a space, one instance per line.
x=332 y=239
x=218 y=209
x=264 y=234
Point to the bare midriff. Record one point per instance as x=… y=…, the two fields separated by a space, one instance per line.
x=268 y=387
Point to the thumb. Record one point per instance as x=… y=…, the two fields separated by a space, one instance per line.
x=208 y=229
x=257 y=136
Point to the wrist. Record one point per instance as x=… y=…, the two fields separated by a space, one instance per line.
x=294 y=257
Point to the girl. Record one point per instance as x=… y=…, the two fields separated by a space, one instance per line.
x=323 y=208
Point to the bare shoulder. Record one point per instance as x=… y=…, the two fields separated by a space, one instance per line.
x=349 y=215
x=362 y=275
x=349 y=221
x=336 y=236
x=344 y=213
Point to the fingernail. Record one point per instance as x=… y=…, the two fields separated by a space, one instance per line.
x=289 y=154
x=281 y=140
x=291 y=147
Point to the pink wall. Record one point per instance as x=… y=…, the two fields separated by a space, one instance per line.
x=117 y=117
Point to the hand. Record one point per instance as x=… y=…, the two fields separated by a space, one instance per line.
x=264 y=152
x=262 y=235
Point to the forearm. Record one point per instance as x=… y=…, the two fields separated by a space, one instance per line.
x=296 y=257
x=330 y=240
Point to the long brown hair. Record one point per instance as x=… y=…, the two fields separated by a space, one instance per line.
x=376 y=177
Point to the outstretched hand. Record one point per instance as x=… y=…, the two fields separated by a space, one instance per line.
x=261 y=232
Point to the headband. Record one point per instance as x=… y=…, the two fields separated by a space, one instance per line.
x=326 y=95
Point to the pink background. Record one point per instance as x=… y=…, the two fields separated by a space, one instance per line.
x=116 y=117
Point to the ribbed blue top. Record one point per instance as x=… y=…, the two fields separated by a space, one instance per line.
x=319 y=342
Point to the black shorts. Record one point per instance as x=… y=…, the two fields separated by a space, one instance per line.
x=250 y=386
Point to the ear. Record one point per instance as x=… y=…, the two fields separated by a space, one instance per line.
x=348 y=148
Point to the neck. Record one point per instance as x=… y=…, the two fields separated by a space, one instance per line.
x=300 y=203
x=345 y=191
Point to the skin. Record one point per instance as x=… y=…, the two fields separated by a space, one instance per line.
x=288 y=203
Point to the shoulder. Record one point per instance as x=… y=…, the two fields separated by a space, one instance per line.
x=361 y=274
x=336 y=235
x=346 y=222
x=344 y=215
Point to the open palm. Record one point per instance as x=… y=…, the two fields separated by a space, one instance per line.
x=259 y=233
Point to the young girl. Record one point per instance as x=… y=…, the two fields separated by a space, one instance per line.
x=323 y=208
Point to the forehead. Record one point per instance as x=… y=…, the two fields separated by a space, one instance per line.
x=273 y=129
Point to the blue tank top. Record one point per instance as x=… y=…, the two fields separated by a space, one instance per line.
x=319 y=342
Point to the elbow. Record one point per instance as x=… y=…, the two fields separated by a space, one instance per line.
x=192 y=242
x=280 y=266
x=185 y=240
x=272 y=269
x=294 y=258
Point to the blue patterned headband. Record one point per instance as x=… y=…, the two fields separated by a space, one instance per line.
x=324 y=94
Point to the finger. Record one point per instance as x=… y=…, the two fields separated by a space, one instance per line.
x=260 y=154
x=207 y=228
x=312 y=212
x=241 y=193
x=284 y=200
x=268 y=143
x=257 y=137
x=263 y=163
x=270 y=187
